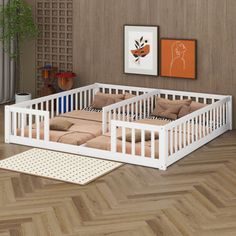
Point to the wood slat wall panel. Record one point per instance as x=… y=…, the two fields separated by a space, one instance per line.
x=98 y=40
x=54 y=44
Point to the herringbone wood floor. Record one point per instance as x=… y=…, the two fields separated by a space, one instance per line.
x=196 y=196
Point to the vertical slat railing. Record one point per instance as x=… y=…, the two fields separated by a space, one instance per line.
x=142 y=129
x=23 y=120
x=142 y=143
x=163 y=147
x=133 y=142
x=22 y=124
x=152 y=144
x=196 y=126
x=125 y=109
x=123 y=140
x=30 y=126
x=7 y=124
x=230 y=113
x=14 y=123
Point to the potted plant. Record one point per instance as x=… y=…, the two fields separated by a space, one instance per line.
x=16 y=25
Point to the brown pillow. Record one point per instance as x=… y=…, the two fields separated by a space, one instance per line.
x=196 y=106
x=184 y=110
x=60 y=124
x=138 y=136
x=169 y=108
x=104 y=99
x=129 y=95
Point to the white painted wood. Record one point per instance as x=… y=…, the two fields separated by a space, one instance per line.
x=133 y=142
x=57 y=106
x=230 y=112
x=152 y=144
x=121 y=107
x=163 y=148
x=62 y=105
x=76 y=102
x=14 y=123
x=22 y=125
x=47 y=106
x=52 y=108
x=142 y=143
x=30 y=125
x=123 y=140
x=80 y=101
x=219 y=112
x=7 y=124
x=37 y=127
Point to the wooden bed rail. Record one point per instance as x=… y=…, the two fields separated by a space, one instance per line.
x=121 y=89
x=28 y=123
x=152 y=159
x=60 y=103
x=198 y=97
x=129 y=110
x=177 y=138
x=190 y=132
x=19 y=122
x=55 y=96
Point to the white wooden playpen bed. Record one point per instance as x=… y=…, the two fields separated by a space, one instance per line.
x=176 y=139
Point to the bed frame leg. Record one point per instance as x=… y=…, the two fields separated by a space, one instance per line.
x=7 y=124
x=163 y=148
x=163 y=167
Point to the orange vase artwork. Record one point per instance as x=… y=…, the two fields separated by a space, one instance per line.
x=141 y=50
x=178 y=58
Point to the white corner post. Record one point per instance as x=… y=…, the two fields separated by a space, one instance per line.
x=163 y=148
x=230 y=112
x=113 y=137
x=95 y=89
x=7 y=124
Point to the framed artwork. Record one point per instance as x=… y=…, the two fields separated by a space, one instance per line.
x=141 y=49
x=178 y=58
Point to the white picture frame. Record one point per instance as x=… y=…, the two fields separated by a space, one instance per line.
x=141 y=50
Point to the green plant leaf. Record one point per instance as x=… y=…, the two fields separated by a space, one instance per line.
x=17 y=24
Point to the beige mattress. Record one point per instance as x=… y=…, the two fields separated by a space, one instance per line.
x=86 y=125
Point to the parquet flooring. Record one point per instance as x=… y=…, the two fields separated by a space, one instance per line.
x=196 y=196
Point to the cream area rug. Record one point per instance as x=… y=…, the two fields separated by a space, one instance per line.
x=59 y=166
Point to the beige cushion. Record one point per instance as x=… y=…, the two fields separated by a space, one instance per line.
x=169 y=108
x=184 y=110
x=138 y=136
x=196 y=106
x=129 y=95
x=60 y=124
x=104 y=99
